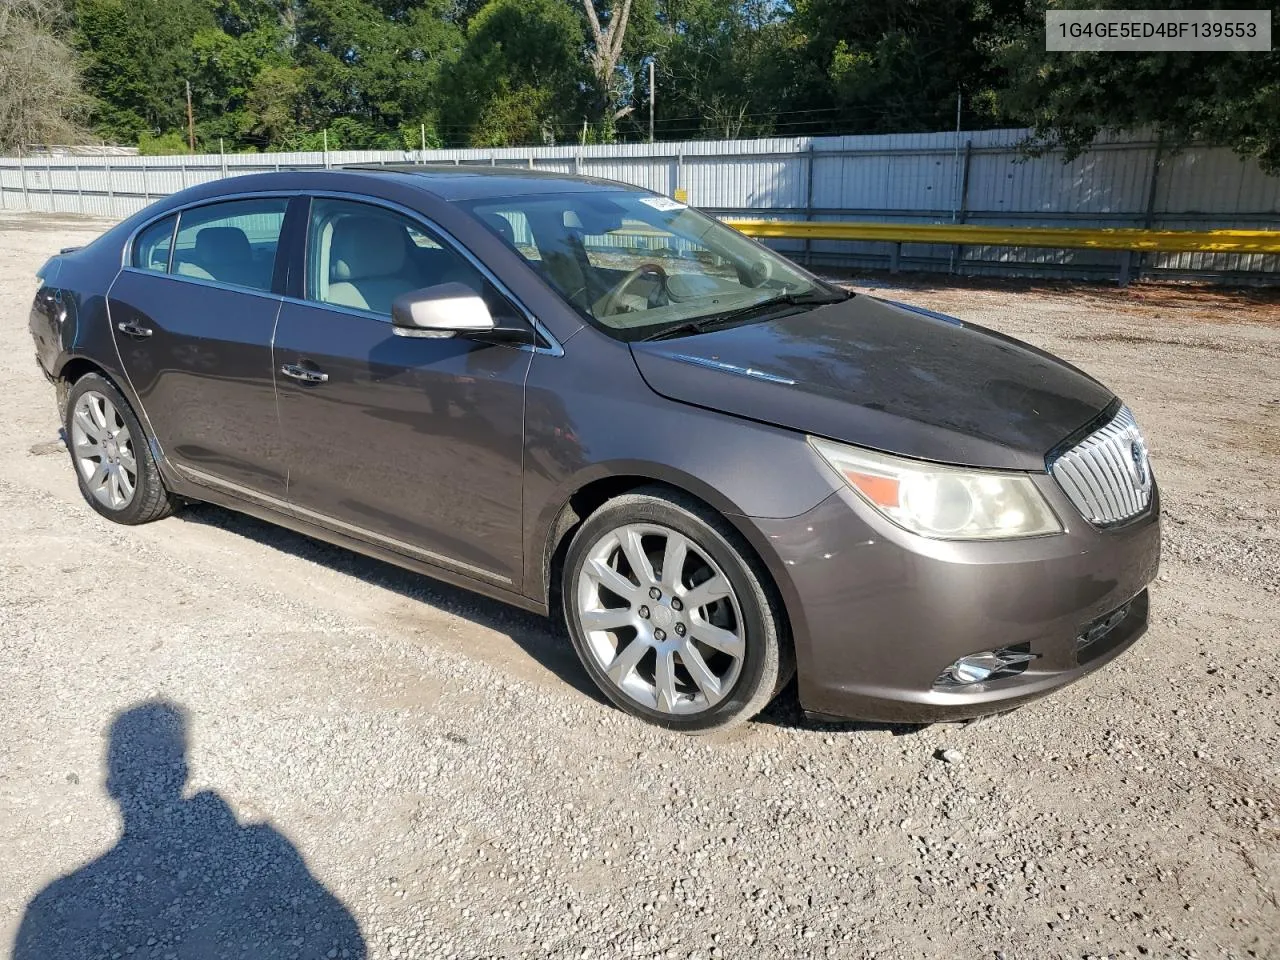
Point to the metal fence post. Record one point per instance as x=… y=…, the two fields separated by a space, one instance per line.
x=808 y=202
x=22 y=167
x=111 y=192
x=75 y=165
x=1149 y=217
x=958 y=251
x=146 y=187
x=48 y=170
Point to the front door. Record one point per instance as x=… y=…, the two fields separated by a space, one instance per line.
x=411 y=444
x=193 y=314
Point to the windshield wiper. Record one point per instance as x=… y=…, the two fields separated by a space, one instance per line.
x=819 y=297
x=711 y=321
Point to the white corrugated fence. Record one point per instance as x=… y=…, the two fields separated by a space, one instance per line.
x=977 y=177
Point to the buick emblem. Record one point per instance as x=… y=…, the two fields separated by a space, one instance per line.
x=1139 y=464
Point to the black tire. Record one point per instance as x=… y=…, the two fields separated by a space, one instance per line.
x=768 y=661
x=150 y=500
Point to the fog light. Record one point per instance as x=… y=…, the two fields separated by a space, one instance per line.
x=985 y=665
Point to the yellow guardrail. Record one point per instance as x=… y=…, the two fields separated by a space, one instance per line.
x=1201 y=241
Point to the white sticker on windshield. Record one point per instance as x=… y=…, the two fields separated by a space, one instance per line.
x=663 y=203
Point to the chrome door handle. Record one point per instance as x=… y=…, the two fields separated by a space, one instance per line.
x=133 y=330
x=299 y=372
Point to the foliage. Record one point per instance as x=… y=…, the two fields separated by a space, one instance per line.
x=374 y=66
x=518 y=77
x=278 y=74
x=898 y=65
x=721 y=67
x=1069 y=98
x=171 y=144
x=40 y=93
x=136 y=56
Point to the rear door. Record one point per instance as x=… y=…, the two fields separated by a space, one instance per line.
x=409 y=443
x=193 y=313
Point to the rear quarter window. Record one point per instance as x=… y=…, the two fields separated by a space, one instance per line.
x=152 y=246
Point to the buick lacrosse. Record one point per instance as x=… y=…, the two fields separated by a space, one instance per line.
x=574 y=394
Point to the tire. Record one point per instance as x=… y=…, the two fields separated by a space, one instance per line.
x=96 y=416
x=693 y=667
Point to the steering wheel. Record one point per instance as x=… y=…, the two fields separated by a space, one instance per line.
x=607 y=304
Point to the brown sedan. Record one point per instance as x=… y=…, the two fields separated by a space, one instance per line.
x=571 y=393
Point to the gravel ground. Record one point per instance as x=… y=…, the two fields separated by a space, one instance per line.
x=381 y=764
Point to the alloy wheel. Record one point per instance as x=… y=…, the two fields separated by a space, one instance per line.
x=103 y=450
x=661 y=619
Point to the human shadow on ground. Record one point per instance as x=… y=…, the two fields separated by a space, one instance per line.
x=186 y=880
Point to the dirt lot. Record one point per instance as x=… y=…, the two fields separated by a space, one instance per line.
x=441 y=769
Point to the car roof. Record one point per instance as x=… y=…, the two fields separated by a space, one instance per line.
x=456 y=182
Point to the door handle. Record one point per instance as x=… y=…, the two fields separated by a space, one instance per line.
x=133 y=329
x=299 y=372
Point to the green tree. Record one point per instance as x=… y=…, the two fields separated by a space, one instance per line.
x=1231 y=99
x=720 y=67
x=897 y=65
x=376 y=66
x=136 y=56
x=520 y=76
x=235 y=76
x=275 y=105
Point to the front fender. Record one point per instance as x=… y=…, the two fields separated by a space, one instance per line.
x=596 y=419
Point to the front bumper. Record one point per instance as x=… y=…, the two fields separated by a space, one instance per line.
x=878 y=614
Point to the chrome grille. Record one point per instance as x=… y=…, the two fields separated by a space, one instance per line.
x=1107 y=475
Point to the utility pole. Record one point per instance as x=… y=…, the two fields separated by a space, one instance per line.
x=191 y=121
x=651 y=99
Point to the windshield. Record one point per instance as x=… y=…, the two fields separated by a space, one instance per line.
x=634 y=263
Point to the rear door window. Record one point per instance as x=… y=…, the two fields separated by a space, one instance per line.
x=234 y=242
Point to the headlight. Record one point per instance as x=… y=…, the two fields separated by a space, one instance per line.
x=945 y=503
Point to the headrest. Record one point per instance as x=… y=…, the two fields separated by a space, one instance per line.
x=222 y=245
x=503 y=227
x=366 y=247
x=594 y=218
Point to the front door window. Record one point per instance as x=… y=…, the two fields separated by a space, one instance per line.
x=364 y=257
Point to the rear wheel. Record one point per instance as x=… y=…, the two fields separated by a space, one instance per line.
x=669 y=616
x=113 y=463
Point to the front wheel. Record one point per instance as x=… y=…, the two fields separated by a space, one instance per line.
x=113 y=463
x=669 y=616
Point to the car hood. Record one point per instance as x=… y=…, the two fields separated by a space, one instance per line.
x=887 y=376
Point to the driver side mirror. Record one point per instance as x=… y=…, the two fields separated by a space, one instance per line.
x=450 y=310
